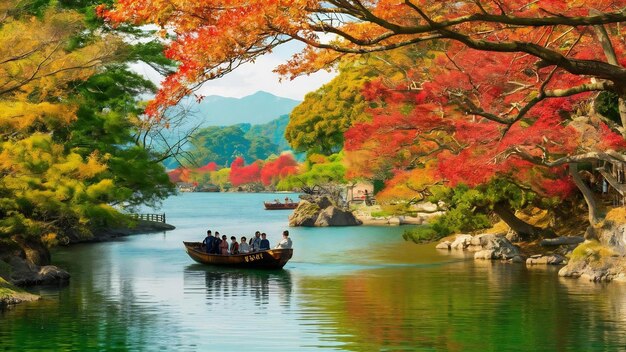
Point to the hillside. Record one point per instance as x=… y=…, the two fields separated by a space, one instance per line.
x=258 y=108
x=262 y=117
x=273 y=130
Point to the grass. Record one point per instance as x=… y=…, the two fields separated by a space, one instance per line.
x=10 y=294
x=422 y=234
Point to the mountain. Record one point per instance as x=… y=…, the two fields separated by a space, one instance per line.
x=274 y=131
x=258 y=108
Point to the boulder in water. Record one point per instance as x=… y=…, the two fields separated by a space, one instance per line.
x=320 y=211
x=333 y=216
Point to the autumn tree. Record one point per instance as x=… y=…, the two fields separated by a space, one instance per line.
x=47 y=188
x=66 y=125
x=278 y=168
x=241 y=174
x=564 y=48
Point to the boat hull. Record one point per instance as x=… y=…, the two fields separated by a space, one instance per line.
x=280 y=206
x=269 y=259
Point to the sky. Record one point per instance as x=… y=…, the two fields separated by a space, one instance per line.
x=253 y=77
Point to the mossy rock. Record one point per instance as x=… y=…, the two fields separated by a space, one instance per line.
x=10 y=294
x=592 y=251
x=305 y=214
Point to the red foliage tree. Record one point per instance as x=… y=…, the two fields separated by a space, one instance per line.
x=209 y=167
x=478 y=117
x=179 y=175
x=549 y=51
x=241 y=174
x=279 y=168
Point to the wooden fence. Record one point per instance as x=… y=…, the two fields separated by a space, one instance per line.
x=150 y=217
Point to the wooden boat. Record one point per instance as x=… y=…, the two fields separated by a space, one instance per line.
x=280 y=206
x=269 y=259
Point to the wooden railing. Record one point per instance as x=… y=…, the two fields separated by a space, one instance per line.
x=150 y=217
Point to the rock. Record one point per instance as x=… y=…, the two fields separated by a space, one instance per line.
x=320 y=211
x=554 y=259
x=333 y=216
x=25 y=273
x=443 y=245
x=603 y=260
x=513 y=236
x=305 y=214
x=394 y=221
x=565 y=249
x=596 y=262
x=597 y=273
x=487 y=246
x=411 y=220
x=52 y=275
x=427 y=207
x=11 y=295
x=564 y=240
x=503 y=248
x=517 y=259
x=461 y=242
x=614 y=237
x=324 y=202
x=486 y=254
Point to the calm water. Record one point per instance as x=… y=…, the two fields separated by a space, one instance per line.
x=346 y=289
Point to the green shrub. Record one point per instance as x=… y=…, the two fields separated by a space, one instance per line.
x=422 y=234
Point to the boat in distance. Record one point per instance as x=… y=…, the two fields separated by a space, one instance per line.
x=268 y=259
x=280 y=206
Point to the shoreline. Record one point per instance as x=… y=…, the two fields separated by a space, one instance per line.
x=390 y=220
x=12 y=294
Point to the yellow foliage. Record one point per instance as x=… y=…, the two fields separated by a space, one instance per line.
x=616 y=215
x=38 y=64
x=50 y=239
x=102 y=188
x=21 y=115
x=92 y=168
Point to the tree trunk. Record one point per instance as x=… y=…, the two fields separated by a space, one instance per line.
x=524 y=229
x=587 y=194
x=611 y=58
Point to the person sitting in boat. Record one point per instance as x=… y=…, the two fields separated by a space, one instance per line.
x=265 y=243
x=224 y=245
x=255 y=242
x=276 y=201
x=208 y=242
x=216 y=243
x=285 y=242
x=243 y=246
x=234 y=246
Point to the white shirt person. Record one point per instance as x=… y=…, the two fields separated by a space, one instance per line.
x=285 y=242
x=243 y=246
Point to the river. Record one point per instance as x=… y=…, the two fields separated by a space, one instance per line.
x=345 y=289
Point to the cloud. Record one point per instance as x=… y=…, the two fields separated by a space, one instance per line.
x=253 y=77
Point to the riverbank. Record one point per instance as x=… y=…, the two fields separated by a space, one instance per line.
x=11 y=295
x=597 y=254
x=27 y=264
x=373 y=215
x=140 y=227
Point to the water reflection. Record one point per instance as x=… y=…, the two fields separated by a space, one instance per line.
x=257 y=286
x=145 y=293
x=463 y=307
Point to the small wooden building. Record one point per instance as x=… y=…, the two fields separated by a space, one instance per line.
x=613 y=181
x=185 y=187
x=360 y=192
